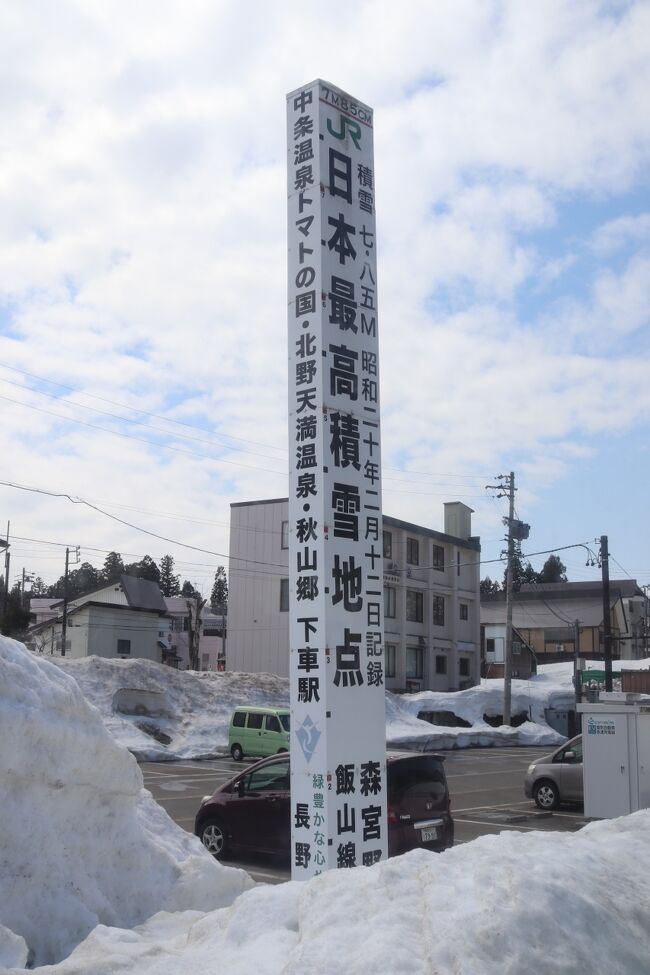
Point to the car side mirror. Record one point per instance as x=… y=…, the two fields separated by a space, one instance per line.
x=240 y=787
x=569 y=756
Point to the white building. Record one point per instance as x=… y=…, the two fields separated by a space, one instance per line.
x=129 y=618
x=121 y=619
x=431 y=597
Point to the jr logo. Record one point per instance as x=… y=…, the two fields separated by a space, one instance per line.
x=353 y=128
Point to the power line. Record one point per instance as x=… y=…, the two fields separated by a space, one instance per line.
x=150 y=443
x=137 y=528
x=124 y=406
x=166 y=419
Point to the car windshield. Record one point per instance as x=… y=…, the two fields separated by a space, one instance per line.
x=415 y=776
x=284 y=718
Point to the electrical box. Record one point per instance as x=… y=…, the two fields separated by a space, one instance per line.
x=616 y=757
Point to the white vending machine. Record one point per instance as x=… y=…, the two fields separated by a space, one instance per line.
x=616 y=757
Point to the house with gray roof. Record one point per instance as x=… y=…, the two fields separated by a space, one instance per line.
x=544 y=620
x=121 y=619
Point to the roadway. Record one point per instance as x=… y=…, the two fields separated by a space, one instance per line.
x=485 y=785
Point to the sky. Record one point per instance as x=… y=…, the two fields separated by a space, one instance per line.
x=143 y=300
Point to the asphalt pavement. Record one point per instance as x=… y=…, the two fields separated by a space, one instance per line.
x=485 y=785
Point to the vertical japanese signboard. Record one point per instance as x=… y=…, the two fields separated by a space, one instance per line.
x=338 y=755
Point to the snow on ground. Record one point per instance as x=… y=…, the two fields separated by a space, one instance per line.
x=191 y=709
x=503 y=905
x=551 y=688
x=189 y=712
x=82 y=843
x=86 y=858
x=160 y=713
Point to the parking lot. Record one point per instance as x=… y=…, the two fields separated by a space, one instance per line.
x=486 y=788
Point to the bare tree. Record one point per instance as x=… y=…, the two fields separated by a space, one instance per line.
x=194 y=607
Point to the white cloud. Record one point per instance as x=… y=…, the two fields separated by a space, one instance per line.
x=143 y=240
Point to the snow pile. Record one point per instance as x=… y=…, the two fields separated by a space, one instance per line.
x=81 y=842
x=551 y=688
x=516 y=903
x=160 y=713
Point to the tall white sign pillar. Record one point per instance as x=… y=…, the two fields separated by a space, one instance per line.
x=338 y=753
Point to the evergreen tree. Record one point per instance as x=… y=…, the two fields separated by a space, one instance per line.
x=146 y=568
x=521 y=574
x=38 y=587
x=15 y=620
x=80 y=580
x=219 y=595
x=553 y=570
x=113 y=567
x=489 y=588
x=169 y=583
x=188 y=590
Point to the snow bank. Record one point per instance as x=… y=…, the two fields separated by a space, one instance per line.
x=550 y=688
x=189 y=711
x=159 y=713
x=81 y=842
x=184 y=714
x=513 y=903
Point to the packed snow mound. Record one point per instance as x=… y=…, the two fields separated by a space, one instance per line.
x=514 y=903
x=550 y=688
x=160 y=713
x=82 y=843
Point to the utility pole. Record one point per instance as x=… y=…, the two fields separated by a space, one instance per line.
x=607 y=627
x=64 y=624
x=577 y=673
x=7 y=561
x=507 y=490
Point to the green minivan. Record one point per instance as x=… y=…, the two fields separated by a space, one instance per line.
x=258 y=731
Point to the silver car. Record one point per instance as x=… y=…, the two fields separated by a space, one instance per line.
x=557 y=777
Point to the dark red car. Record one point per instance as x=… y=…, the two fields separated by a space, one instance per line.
x=252 y=810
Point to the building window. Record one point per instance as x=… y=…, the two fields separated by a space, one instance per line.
x=414 y=606
x=490 y=645
x=458 y=564
x=463 y=667
x=441 y=665
x=414 y=662
x=186 y=624
x=390 y=660
x=438 y=610
x=285 y=534
x=412 y=551
x=284 y=595
x=124 y=646
x=389 y=602
x=464 y=611
x=388 y=545
x=438 y=561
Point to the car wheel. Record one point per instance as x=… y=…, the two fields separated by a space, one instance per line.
x=237 y=753
x=546 y=794
x=213 y=837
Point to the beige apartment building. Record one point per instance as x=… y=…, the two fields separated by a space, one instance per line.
x=431 y=597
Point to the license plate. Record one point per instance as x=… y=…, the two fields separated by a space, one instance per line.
x=429 y=834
